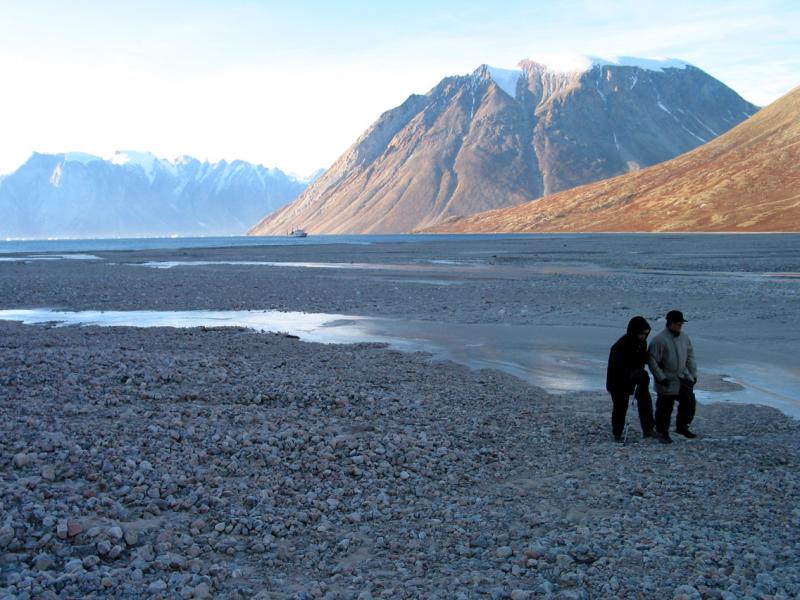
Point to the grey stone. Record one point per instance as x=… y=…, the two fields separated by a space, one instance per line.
x=6 y=535
x=20 y=460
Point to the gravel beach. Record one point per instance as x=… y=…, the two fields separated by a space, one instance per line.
x=226 y=463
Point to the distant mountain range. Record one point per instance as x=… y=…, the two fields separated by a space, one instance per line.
x=136 y=194
x=747 y=179
x=497 y=138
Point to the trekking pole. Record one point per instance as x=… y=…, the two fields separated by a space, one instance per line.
x=625 y=434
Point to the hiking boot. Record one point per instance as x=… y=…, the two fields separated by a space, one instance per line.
x=686 y=433
x=649 y=434
x=618 y=439
x=664 y=438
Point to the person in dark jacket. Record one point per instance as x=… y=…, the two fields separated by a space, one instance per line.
x=626 y=375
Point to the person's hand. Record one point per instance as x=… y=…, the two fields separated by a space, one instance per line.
x=663 y=381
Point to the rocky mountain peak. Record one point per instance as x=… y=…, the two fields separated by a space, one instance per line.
x=744 y=180
x=498 y=137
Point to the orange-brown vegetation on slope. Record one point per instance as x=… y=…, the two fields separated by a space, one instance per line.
x=746 y=180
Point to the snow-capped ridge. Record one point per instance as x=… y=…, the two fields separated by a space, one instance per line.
x=131 y=157
x=184 y=159
x=73 y=194
x=144 y=160
x=81 y=157
x=577 y=63
x=567 y=64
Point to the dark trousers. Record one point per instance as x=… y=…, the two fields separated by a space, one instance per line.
x=644 y=403
x=686 y=408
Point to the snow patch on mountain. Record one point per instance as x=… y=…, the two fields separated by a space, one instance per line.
x=572 y=63
x=144 y=160
x=80 y=157
x=506 y=79
x=646 y=64
x=55 y=178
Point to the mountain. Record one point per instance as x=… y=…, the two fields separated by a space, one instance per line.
x=136 y=194
x=499 y=137
x=747 y=179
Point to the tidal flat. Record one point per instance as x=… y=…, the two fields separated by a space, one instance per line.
x=228 y=462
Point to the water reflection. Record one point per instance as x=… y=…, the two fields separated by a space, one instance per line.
x=261 y=263
x=49 y=257
x=557 y=358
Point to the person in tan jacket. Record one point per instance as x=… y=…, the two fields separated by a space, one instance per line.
x=672 y=363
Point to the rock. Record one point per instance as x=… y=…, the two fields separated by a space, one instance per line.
x=73 y=565
x=115 y=532
x=201 y=591
x=43 y=562
x=74 y=528
x=545 y=587
x=6 y=535
x=131 y=537
x=103 y=547
x=686 y=592
x=504 y=551
x=48 y=472
x=157 y=586
x=90 y=561
x=20 y=460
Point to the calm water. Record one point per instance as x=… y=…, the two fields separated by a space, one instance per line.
x=9 y=246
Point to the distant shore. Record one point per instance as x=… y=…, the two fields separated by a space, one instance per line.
x=226 y=463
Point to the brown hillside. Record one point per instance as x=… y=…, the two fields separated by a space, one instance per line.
x=748 y=179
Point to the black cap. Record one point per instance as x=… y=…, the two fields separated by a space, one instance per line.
x=675 y=316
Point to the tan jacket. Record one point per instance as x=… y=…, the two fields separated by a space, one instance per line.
x=671 y=358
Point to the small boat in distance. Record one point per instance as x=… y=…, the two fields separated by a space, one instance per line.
x=298 y=233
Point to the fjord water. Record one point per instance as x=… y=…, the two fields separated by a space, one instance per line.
x=10 y=246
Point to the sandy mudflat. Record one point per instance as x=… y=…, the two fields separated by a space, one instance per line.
x=226 y=463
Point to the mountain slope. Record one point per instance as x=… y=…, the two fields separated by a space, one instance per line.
x=745 y=180
x=137 y=194
x=499 y=137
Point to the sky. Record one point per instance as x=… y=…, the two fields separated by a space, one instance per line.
x=293 y=84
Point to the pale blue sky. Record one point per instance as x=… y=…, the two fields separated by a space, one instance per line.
x=293 y=84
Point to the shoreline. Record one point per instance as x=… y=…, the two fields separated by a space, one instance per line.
x=219 y=462
x=558 y=359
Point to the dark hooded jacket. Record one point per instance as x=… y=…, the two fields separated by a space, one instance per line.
x=627 y=359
